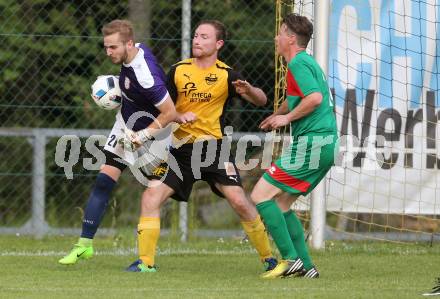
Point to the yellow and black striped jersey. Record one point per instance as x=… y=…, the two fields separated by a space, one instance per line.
x=203 y=91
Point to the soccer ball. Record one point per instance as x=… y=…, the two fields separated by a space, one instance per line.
x=106 y=92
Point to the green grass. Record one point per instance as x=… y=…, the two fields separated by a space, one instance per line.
x=211 y=269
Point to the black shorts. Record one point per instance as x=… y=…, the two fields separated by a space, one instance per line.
x=222 y=170
x=111 y=160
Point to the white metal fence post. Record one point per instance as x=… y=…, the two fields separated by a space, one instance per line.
x=39 y=225
x=186 y=52
x=320 y=52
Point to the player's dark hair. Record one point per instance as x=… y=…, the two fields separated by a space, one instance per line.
x=220 y=29
x=301 y=27
x=123 y=27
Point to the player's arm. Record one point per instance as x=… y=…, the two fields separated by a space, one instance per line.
x=308 y=88
x=306 y=106
x=187 y=117
x=250 y=93
x=239 y=86
x=282 y=109
x=310 y=94
x=167 y=115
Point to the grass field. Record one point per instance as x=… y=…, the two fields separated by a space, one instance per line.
x=212 y=269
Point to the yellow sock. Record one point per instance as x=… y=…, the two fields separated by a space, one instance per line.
x=148 y=235
x=256 y=233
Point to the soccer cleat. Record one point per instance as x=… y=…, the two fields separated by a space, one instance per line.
x=284 y=268
x=435 y=290
x=311 y=273
x=78 y=252
x=270 y=263
x=139 y=266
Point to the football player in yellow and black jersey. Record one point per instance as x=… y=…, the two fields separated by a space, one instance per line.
x=201 y=87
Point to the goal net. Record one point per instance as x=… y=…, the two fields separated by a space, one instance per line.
x=383 y=71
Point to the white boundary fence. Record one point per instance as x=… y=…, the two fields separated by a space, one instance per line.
x=37 y=224
x=38 y=227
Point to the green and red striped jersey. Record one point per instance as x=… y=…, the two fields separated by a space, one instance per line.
x=305 y=76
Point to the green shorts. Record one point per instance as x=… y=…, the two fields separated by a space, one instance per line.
x=303 y=166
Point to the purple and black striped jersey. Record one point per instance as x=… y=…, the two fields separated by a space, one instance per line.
x=142 y=83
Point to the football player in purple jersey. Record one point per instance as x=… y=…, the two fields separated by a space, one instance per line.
x=145 y=112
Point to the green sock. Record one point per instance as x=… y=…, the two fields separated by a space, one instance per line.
x=276 y=225
x=85 y=242
x=297 y=235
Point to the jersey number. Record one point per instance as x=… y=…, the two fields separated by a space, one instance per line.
x=112 y=141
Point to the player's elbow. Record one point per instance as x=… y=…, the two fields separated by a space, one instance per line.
x=171 y=114
x=262 y=101
x=316 y=99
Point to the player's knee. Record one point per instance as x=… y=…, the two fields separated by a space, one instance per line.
x=152 y=199
x=283 y=204
x=240 y=203
x=254 y=197
x=149 y=200
x=260 y=194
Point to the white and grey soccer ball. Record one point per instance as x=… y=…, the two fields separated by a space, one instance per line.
x=106 y=92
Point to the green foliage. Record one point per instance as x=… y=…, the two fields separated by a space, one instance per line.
x=15 y=193
x=249 y=48
x=51 y=53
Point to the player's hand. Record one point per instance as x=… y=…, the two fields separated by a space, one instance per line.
x=140 y=137
x=187 y=117
x=274 y=122
x=126 y=142
x=136 y=141
x=242 y=87
x=264 y=123
x=133 y=138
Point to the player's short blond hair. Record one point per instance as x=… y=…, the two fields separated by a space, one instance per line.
x=123 y=27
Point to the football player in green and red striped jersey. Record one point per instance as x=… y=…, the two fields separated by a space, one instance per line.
x=308 y=109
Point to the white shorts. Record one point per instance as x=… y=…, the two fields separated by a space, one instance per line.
x=147 y=157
